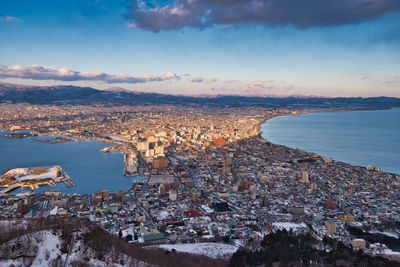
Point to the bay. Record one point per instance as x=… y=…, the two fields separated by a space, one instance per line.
x=89 y=168
x=358 y=137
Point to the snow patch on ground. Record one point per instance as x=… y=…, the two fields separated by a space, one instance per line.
x=212 y=250
x=289 y=226
x=42 y=249
x=50 y=173
x=386 y=233
x=48 y=249
x=163 y=214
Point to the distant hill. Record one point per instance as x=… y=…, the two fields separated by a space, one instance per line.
x=45 y=94
x=68 y=94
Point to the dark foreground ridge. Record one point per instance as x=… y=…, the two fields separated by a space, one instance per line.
x=68 y=94
x=284 y=248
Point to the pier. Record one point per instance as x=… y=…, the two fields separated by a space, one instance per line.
x=8 y=189
x=130 y=161
x=69 y=182
x=33 y=178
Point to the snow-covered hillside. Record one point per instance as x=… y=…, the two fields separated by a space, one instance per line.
x=47 y=248
x=72 y=241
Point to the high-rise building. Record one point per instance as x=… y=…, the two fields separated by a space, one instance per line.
x=264 y=201
x=160 y=163
x=313 y=186
x=100 y=196
x=225 y=168
x=167 y=187
x=172 y=195
x=304 y=176
x=175 y=183
x=244 y=185
x=252 y=188
x=331 y=228
x=330 y=204
x=142 y=146
x=149 y=152
x=196 y=197
x=120 y=196
x=161 y=190
x=159 y=150
x=188 y=183
x=298 y=210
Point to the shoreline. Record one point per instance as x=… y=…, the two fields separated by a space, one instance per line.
x=322 y=111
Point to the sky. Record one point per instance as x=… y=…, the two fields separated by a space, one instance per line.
x=205 y=47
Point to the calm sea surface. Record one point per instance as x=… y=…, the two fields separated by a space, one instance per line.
x=89 y=168
x=357 y=137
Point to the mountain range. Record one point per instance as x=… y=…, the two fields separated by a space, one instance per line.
x=69 y=94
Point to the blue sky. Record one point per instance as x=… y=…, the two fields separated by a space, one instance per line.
x=108 y=43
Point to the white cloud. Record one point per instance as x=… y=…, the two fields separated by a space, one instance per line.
x=197 y=80
x=37 y=72
x=8 y=18
x=261 y=86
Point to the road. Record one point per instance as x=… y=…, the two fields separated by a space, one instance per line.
x=191 y=174
x=210 y=173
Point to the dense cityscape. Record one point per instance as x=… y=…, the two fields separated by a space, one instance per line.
x=204 y=174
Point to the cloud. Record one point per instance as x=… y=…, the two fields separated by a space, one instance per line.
x=261 y=86
x=8 y=18
x=301 y=14
x=393 y=80
x=203 y=80
x=197 y=80
x=388 y=80
x=255 y=88
x=212 y=80
x=37 y=72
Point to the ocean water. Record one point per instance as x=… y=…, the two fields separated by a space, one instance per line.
x=357 y=137
x=89 y=168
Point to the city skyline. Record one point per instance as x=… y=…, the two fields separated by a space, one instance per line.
x=346 y=48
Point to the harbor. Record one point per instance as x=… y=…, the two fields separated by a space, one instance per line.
x=33 y=178
x=81 y=160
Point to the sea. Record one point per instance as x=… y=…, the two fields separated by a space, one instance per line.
x=89 y=168
x=360 y=138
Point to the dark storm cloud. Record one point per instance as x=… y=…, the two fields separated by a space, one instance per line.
x=300 y=13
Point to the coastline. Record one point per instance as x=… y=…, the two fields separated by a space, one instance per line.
x=262 y=119
x=301 y=112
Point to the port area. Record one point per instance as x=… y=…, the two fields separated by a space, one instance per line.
x=114 y=148
x=20 y=135
x=130 y=157
x=56 y=140
x=33 y=177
